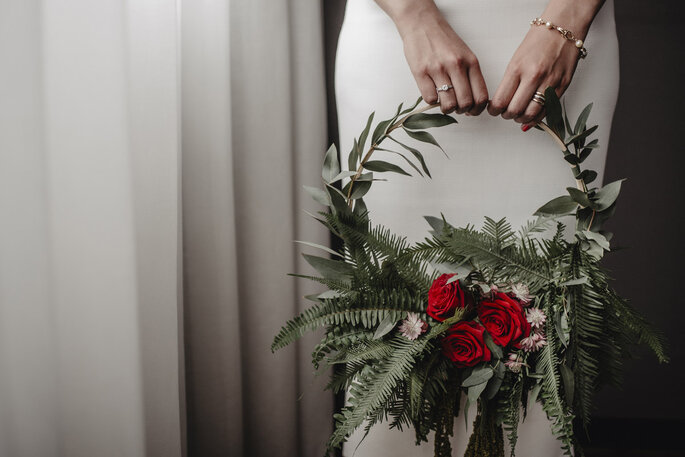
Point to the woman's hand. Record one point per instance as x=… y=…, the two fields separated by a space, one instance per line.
x=437 y=56
x=544 y=59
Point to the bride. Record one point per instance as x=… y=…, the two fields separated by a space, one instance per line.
x=487 y=61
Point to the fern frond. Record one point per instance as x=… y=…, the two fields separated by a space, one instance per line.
x=552 y=402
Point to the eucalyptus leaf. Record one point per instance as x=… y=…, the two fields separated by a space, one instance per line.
x=409 y=162
x=386 y=325
x=579 y=137
x=588 y=176
x=379 y=131
x=561 y=324
x=330 y=294
x=584 y=154
x=425 y=137
x=318 y=246
x=365 y=133
x=360 y=189
x=479 y=375
x=422 y=121
x=331 y=166
x=319 y=195
x=597 y=238
x=360 y=208
x=558 y=206
x=382 y=166
x=579 y=196
x=571 y=158
x=494 y=348
x=607 y=195
x=342 y=175
x=437 y=223
x=338 y=200
x=416 y=154
x=452 y=279
x=475 y=391
x=495 y=382
x=354 y=155
x=313 y=297
x=582 y=119
x=411 y=108
x=568 y=381
x=330 y=269
x=553 y=113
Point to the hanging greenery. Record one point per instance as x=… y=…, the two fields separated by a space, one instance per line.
x=507 y=318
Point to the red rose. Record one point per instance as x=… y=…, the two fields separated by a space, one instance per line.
x=444 y=298
x=504 y=319
x=464 y=345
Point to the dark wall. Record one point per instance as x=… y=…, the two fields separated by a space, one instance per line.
x=645 y=146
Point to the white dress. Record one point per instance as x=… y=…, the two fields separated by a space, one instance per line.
x=494 y=169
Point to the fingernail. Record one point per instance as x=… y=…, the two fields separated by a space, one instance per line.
x=525 y=128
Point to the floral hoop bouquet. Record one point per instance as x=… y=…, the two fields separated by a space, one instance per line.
x=506 y=317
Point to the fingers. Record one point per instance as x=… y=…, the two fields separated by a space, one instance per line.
x=468 y=93
x=448 y=100
x=427 y=88
x=478 y=89
x=503 y=94
x=532 y=111
x=462 y=87
x=522 y=108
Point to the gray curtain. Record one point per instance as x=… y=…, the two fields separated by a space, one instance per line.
x=126 y=130
x=254 y=131
x=89 y=240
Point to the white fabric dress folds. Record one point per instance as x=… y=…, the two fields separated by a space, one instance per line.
x=494 y=169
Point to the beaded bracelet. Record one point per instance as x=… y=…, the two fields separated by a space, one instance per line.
x=565 y=33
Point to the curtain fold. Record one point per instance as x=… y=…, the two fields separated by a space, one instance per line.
x=254 y=131
x=89 y=175
x=152 y=154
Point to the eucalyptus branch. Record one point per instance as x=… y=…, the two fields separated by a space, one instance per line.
x=580 y=184
x=375 y=145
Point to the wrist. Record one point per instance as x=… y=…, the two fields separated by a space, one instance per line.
x=574 y=15
x=416 y=16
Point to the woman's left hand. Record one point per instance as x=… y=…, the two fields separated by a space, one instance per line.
x=544 y=59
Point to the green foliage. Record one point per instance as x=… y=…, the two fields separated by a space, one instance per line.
x=376 y=278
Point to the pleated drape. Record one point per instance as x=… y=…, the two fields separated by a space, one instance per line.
x=152 y=154
x=89 y=239
x=254 y=131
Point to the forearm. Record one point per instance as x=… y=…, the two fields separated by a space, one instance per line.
x=574 y=15
x=406 y=13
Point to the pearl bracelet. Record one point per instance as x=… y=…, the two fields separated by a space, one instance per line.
x=565 y=33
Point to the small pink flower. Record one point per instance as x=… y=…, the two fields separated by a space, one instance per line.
x=412 y=326
x=536 y=317
x=533 y=343
x=514 y=363
x=522 y=293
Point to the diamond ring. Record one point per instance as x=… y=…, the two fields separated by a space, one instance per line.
x=444 y=88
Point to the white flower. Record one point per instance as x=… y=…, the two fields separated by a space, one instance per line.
x=533 y=343
x=536 y=317
x=413 y=326
x=514 y=363
x=521 y=292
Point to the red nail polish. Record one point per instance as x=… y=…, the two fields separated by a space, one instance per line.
x=525 y=128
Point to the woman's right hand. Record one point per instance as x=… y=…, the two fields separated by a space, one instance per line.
x=437 y=56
